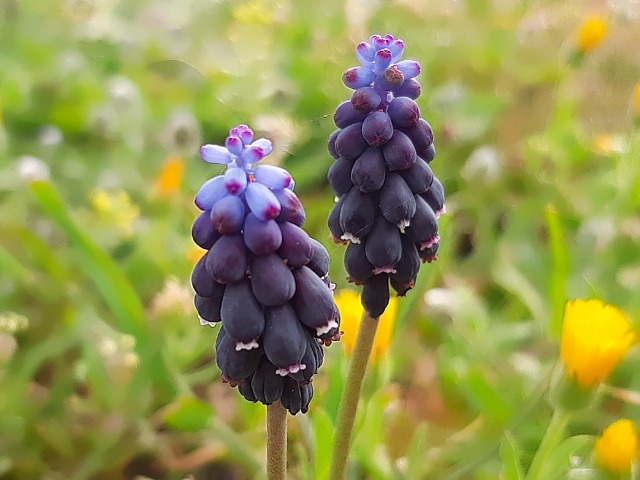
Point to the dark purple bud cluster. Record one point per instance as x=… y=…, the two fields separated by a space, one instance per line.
x=262 y=277
x=387 y=197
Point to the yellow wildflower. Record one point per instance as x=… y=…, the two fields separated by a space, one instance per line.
x=607 y=144
x=351 y=311
x=590 y=33
x=170 y=177
x=636 y=99
x=116 y=207
x=617 y=448
x=595 y=337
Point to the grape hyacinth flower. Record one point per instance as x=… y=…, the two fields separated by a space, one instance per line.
x=263 y=278
x=387 y=197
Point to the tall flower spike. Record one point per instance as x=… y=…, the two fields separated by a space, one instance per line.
x=388 y=199
x=259 y=275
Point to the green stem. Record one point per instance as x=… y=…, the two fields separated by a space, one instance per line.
x=276 y=441
x=552 y=438
x=351 y=396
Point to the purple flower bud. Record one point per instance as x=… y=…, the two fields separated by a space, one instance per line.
x=227 y=215
x=234 y=144
x=215 y=154
x=390 y=38
x=365 y=53
x=378 y=42
x=409 y=68
x=391 y=79
x=263 y=145
x=262 y=202
x=357 y=77
x=256 y=151
x=212 y=191
x=235 y=180
x=382 y=59
x=397 y=49
x=272 y=176
x=291 y=209
x=243 y=132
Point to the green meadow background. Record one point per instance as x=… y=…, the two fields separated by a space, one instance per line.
x=105 y=372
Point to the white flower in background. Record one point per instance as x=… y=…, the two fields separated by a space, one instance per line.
x=484 y=164
x=600 y=231
x=182 y=132
x=32 y=169
x=282 y=132
x=50 y=136
x=175 y=297
x=8 y=346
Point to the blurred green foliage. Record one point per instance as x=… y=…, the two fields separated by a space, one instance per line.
x=104 y=369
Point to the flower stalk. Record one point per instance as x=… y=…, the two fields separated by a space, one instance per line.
x=552 y=438
x=351 y=395
x=276 y=441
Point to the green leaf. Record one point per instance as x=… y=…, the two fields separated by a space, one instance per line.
x=12 y=266
x=415 y=452
x=510 y=454
x=116 y=289
x=488 y=397
x=188 y=414
x=561 y=269
x=559 y=462
x=323 y=441
x=114 y=286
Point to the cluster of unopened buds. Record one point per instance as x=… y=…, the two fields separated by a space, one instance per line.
x=262 y=277
x=388 y=199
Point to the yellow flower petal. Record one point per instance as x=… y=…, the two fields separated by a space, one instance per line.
x=595 y=337
x=617 y=448
x=590 y=33
x=170 y=177
x=351 y=311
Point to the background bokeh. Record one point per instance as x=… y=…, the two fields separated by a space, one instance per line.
x=105 y=371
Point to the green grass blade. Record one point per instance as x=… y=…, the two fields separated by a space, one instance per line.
x=111 y=282
x=561 y=268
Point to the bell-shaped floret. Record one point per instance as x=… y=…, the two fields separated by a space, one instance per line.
x=271 y=280
x=383 y=247
x=284 y=339
x=261 y=201
x=261 y=237
x=227 y=215
x=227 y=259
x=296 y=248
x=242 y=315
x=267 y=385
x=375 y=294
x=313 y=302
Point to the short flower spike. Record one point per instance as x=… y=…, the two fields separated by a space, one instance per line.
x=595 y=337
x=259 y=276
